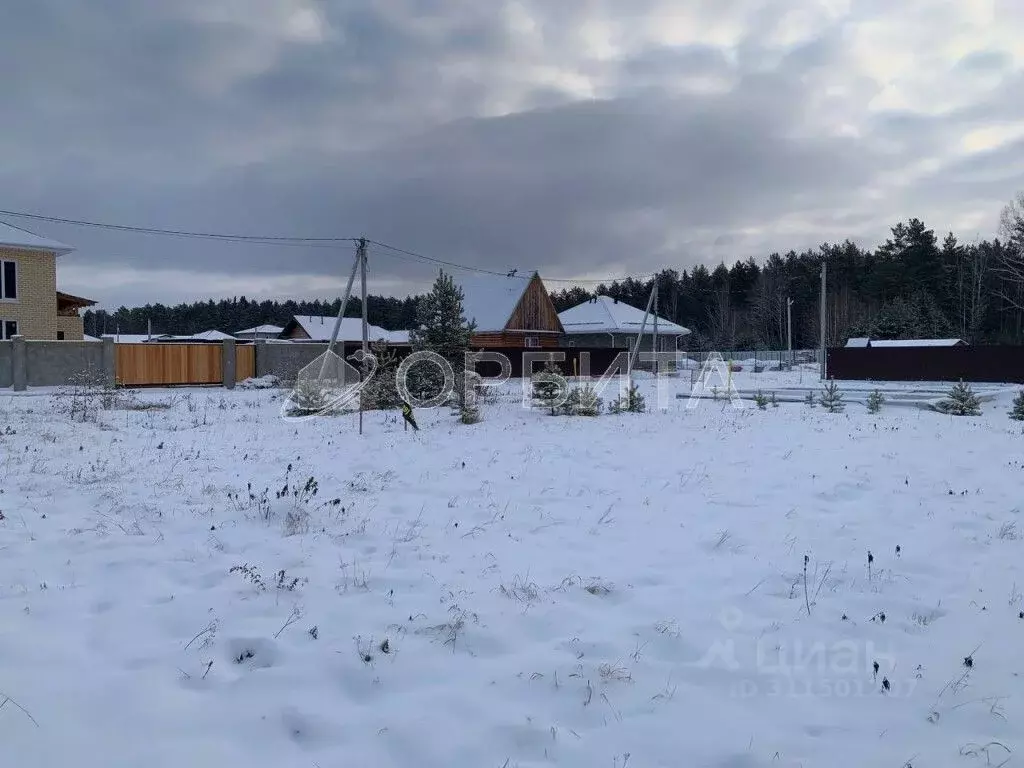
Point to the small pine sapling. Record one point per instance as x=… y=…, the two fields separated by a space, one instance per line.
x=308 y=398
x=875 y=401
x=631 y=402
x=773 y=400
x=469 y=408
x=1017 y=414
x=582 y=401
x=961 y=401
x=470 y=413
x=548 y=385
x=761 y=399
x=831 y=398
x=809 y=401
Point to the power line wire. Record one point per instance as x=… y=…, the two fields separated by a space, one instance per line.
x=308 y=242
x=398 y=252
x=178 y=232
x=433 y=260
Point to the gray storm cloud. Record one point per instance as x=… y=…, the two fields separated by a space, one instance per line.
x=577 y=138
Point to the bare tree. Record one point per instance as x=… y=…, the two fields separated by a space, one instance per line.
x=978 y=298
x=722 y=322
x=1011 y=265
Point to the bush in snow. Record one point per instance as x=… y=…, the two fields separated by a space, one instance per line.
x=831 y=398
x=381 y=392
x=761 y=399
x=809 y=400
x=86 y=394
x=469 y=413
x=631 y=402
x=875 y=402
x=308 y=397
x=961 y=401
x=582 y=401
x=548 y=388
x=1017 y=414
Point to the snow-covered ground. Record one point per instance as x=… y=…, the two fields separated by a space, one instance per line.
x=627 y=591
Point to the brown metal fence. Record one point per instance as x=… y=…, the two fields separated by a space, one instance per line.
x=1001 y=364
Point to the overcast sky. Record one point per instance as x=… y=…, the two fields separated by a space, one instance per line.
x=582 y=138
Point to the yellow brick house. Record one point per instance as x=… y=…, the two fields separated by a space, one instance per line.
x=30 y=304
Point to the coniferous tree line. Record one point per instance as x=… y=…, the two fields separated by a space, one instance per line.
x=914 y=285
x=238 y=313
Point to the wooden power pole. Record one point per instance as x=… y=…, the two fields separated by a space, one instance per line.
x=824 y=320
x=654 y=344
x=361 y=251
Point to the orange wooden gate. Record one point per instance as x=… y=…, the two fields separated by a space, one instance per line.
x=245 y=361
x=160 y=364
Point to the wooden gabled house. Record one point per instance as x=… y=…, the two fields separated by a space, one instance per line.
x=511 y=312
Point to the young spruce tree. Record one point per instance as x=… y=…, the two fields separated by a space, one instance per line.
x=832 y=399
x=548 y=385
x=875 y=401
x=1017 y=414
x=443 y=329
x=961 y=401
x=631 y=402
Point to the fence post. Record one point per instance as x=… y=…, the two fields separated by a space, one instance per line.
x=258 y=351
x=109 y=362
x=19 y=364
x=228 y=363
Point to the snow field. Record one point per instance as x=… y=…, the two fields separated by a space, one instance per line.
x=626 y=591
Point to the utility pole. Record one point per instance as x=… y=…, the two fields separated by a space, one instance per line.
x=823 y=321
x=655 y=341
x=341 y=314
x=789 y=328
x=631 y=360
x=361 y=251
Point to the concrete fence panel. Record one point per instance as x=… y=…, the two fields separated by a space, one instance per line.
x=6 y=364
x=57 y=363
x=286 y=360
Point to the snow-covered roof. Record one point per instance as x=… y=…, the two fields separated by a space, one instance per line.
x=605 y=315
x=208 y=336
x=916 y=342
x=261 y=329
x=858 y=342
x=321 y=328
x=16 y=237
x=135 y=338
x=490 y=300
x=87 y=337
x=398 y=337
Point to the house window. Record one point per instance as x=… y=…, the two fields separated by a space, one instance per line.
x=60 y=335
x=532 y=341
x=8 y=281
x=8 y=329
